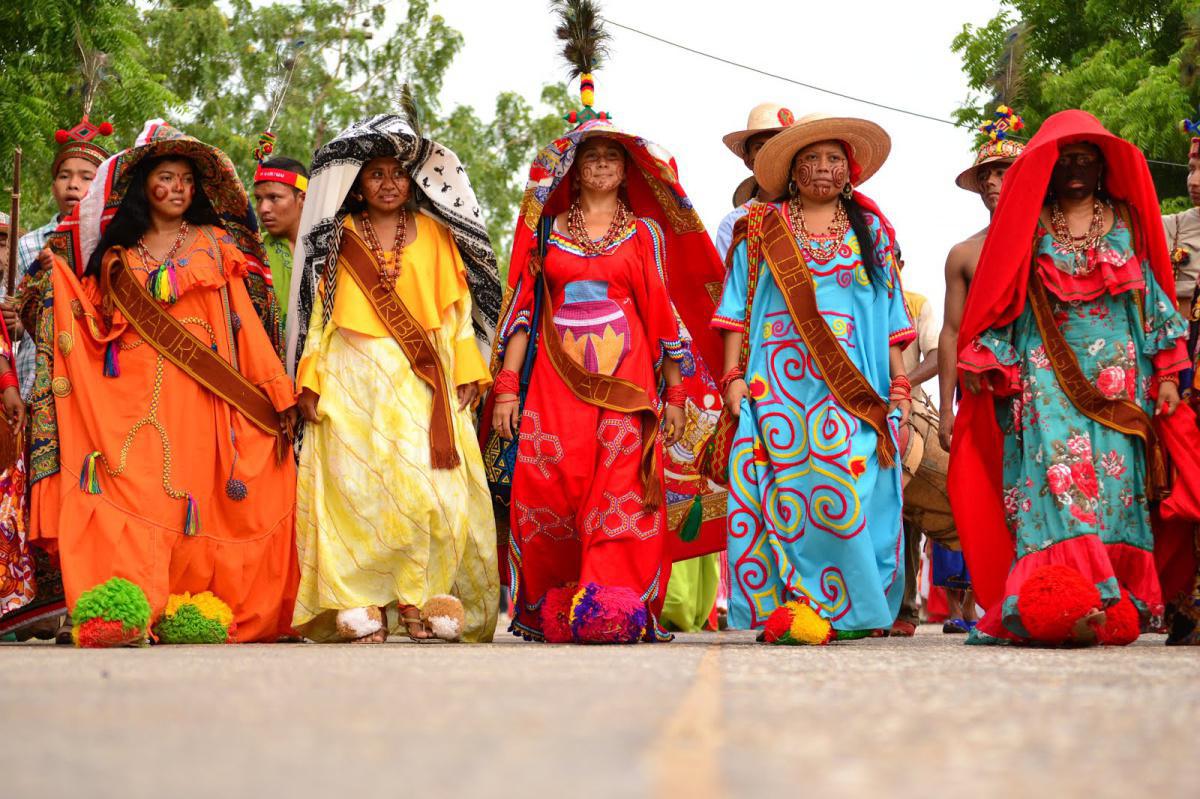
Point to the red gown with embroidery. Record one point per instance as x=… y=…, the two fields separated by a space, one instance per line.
x=577 y=494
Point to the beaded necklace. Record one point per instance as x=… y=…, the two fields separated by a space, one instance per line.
x=577 y=227
x=387 y=276
x=1077 y=246
x=836 y=231
x=148 y=260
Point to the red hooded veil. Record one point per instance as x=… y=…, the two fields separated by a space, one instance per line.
x=695 y=277
x=997 y=297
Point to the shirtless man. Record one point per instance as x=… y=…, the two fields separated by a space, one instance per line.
x=984 y=177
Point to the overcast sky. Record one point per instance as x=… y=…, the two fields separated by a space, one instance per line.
x=894 y=53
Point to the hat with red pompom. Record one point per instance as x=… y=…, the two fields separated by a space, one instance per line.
x=77 y=142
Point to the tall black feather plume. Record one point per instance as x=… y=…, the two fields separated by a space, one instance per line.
x=581 y=30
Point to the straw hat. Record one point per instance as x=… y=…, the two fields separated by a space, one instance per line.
x=998 y=147
x=764 y=118
x=1005 y=150
x=745 y=192
x=869 y=146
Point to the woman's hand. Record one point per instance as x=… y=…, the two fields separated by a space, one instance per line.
x=12 y=319
x=506 y=415
x=734 y=394
x=14 y=408
x=946 y=428
x=466 y=395
x=307 y=403
x=1168 y=398
x=287 y=422
x=674 y=420
x=905 y=407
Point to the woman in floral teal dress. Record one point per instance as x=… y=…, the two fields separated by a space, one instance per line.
x=1074 y=491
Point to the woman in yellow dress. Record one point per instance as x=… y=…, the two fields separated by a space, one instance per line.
x=394 y=519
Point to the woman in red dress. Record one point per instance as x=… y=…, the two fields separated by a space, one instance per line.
x=588 y=515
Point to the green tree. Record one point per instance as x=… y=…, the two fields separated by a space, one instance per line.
x=1132 y=63
x=42 y=84
x=228 y=68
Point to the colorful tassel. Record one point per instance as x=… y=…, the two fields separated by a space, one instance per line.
x=162 y=284
x=690 y=528
x=112 y=364
x=89 y=474
x=191 y=523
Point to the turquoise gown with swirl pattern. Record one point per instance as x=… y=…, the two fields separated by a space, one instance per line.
x=812 y=516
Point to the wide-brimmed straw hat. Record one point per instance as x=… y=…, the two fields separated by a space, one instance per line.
x=868 y=146
x=764 y=118
x=1001 y=150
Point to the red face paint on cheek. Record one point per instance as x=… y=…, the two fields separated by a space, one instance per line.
x=839 y=176
x=160 y=193
x=804 y=174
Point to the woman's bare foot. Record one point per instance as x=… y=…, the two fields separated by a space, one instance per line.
x=414 y=627
x=1086 y=630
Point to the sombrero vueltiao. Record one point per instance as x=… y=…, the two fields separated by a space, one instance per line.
x=763 y=118
x=868 y=146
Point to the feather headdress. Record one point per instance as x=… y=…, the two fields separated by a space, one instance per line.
x=585 y=46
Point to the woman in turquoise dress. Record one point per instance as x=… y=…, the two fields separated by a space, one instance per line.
x=813 y=514
x=1074 y=491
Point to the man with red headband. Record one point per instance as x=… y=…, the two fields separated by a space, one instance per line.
x=1070 y=344
x=279 y=190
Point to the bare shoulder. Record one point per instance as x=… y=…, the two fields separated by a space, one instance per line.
x=964 y=256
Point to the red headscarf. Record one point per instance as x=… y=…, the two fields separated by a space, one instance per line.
x=997 y=297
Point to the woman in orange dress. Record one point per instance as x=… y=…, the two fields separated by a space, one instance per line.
x=145 y=471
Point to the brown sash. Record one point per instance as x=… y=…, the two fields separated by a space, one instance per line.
x=605 y=391
x=847 y=383
x=176 y=343
x=1121 y=415
x=413 y=340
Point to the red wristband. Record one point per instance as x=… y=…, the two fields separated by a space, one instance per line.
x=733 y=374
x=8 y=380
x=507 y=382
x=676 y=395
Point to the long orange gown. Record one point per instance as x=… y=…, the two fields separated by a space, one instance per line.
x=164 y=437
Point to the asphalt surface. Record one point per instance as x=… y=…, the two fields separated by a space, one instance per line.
x=709 y=715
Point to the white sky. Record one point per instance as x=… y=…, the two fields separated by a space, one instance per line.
x=894 y=53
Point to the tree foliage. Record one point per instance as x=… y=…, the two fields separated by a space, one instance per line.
x=215 y=68
x=1135 y=64
x=41 y=84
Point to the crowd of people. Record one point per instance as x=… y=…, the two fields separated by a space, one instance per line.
x=313 y=411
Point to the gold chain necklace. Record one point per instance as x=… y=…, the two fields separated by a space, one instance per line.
x=836 y=231
x=387 y=276
x=577 y=227
x=1077 y=246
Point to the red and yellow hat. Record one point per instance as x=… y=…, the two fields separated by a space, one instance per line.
x=265 y=174
x=998 y=147
x=77 y=142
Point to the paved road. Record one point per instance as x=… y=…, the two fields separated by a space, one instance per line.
x=707 y=716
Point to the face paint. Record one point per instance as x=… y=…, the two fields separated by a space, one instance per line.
x=160 y=193
x=601 y=165
x=1077 y=172
x=820 y=170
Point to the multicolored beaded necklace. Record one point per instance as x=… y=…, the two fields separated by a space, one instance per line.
x=1077 y=246
x=836 y=231
x=387 y=276
x=577 y=227
x=162 y=283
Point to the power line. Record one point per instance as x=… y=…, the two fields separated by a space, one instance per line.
x=811 y=86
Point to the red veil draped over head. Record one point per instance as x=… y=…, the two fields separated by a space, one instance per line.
x=997 y=297
x=694 y=277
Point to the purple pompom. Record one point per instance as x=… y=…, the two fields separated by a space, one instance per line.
x=608 y=615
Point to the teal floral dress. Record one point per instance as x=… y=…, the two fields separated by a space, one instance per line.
x=1075 y=491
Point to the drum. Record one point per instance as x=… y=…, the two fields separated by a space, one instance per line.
x=924 y=463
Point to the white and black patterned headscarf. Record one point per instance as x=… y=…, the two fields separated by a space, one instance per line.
x=443 y=191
